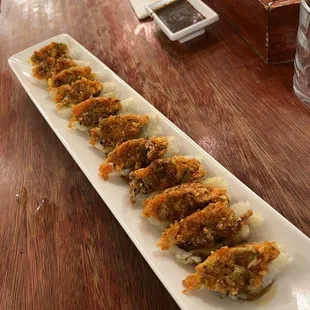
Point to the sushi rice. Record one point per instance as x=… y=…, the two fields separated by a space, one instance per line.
x=152 y=128
x=216 y=181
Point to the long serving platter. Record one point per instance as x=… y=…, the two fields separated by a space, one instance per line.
x=291 y=290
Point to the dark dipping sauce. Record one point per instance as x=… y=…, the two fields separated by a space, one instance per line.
x=178 y=15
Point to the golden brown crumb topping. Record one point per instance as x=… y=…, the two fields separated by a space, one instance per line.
x=234 y=270
x=54 y=50
x=134 y=154
x=71 y=75
x=180 y=201
x=51 y=66
x=114 y=130
x=88 y=112
x=78 y=91
x=204 y=228
x=164 y=173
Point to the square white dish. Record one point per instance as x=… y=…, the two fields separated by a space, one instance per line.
x=291 y=290
x=187 y=33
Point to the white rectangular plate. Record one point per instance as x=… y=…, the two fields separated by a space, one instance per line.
x=291 y=291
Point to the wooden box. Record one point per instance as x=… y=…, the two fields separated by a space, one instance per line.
x=269 y=26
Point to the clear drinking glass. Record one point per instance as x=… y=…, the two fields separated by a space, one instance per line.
x=302 y=59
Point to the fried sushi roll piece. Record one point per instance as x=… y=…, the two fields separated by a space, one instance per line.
x=164 y=173
x=203 y=229
x=71 y=75
x=114 y=130
x=54 y=50
x=51 y=66
x=250 y=225
x=134 y=154
x=177 y=202
x=86 y=114
x=241 y=272
x=78 y=91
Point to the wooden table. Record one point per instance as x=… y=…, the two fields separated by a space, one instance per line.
x=68 y=252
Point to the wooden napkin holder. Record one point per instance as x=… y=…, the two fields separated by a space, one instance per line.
x=269 y=26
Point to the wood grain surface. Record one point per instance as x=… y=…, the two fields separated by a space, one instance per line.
x=61 y=248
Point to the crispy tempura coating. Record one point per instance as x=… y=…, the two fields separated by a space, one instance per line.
x=234 y=270
x=51 y=66
x=204 y=228
x=78 y=91
x=134 y=154
x=54 y=50
x=88 y=112
x=114 y=130
x=70 y=75
x=164 y=173
x=180 y=201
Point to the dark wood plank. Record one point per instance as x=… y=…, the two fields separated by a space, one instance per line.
x=251 y=26
x=269 y=27
x=283 y=26
x=70 y=253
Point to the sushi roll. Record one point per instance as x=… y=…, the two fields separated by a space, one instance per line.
x=135 y=154
x=54 y=50
x=51 y=66
x=71 y=75
x=114 y=130
x=177 y=202
x=243 y=272
x=164 y=173
x=68 y=95
x=86 y=115
x=203 y=229
x=251 y=222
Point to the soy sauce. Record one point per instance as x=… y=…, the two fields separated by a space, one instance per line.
x=178 y=15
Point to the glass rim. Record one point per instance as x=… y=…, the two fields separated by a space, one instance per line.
x=305 y=5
